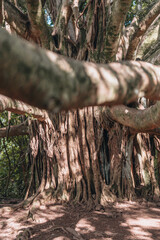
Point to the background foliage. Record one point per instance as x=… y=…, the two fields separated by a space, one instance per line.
x=14 y=161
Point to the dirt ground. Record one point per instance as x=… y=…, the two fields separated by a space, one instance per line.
x=120 y=220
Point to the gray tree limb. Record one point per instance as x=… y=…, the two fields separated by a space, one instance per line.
x=52 y=82
x=116 y=21
x=139 y=28
x=38 y=24
x=141 y=120
x=15 y=106
x=18 y=21
x=16 y=130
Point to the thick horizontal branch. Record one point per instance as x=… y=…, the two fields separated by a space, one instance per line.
x=16 y=130
x=140 y=120
x=141 y=26
x=19 y=107
x=52 y=82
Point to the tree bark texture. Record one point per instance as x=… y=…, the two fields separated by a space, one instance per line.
x=52 y=82
x=79 y=151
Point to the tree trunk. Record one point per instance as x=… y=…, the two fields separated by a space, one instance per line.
x=74 y=157
x=68 y=147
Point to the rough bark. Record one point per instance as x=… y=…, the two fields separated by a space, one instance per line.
x=15 y=106
x=114 y=28
x=140 y=120
x=146 y=120
x=50 y=81
x=18 y=21
x=140 y=29
x=146 y=164
x=72 y=156
x=153 y=55
x=39 y=26
x=121 y=174
x=69 y=165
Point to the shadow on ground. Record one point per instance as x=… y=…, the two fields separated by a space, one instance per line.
x=121 y=220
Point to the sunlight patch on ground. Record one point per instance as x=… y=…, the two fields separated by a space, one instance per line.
x=61 y=238
x=126 y=205
x=140 y=233
x=84 y=226
x=11 y=222
x=144 y=222
x=135 y=222
x=141 y=227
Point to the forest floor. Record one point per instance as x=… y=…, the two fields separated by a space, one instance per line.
x=123 y=220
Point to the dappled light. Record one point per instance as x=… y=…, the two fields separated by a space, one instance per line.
x=121 y=220
x=79 y=120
